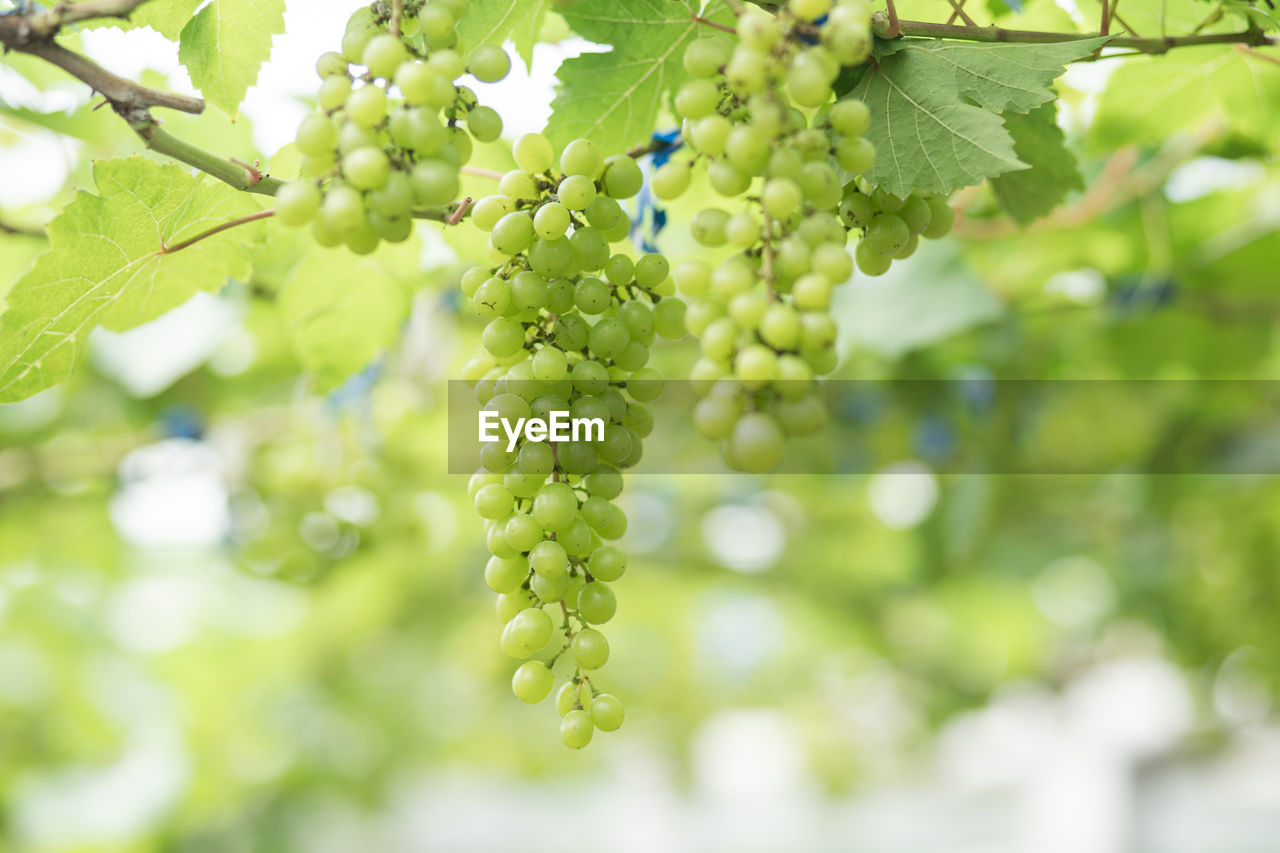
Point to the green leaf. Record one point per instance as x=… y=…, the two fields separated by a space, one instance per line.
x=1037 y=140
x=614 y=98
x=342 y=310
x=104 y=267
x=1150 y=98
x=167 y=17
x=493 y=21
x=225 y=44
x=936 y=107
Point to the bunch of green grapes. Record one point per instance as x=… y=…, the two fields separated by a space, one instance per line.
x=758 y=115
x=387 y=142
x=570 y=325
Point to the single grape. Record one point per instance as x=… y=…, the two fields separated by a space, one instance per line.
x=297 y=202
x=576 y=729
x=597 y=603
x=607 y=712
x=532 y=682
x=590 y=648
x=488 y=63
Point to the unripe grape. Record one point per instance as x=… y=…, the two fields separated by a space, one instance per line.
x=555 y=505
x=757 y=444
x=367 y=106
x=942 y=218
x=576 y=729
x=576 y=192
x=297 y=202
x=869 y=261
x=522 y=532
x=671 y=179
x=607 y=712
x=366 y=168
x=849 y=117
x=527 y=632
x=597 y=603
x=887 y=234
x=704 y=57
x=708 y=226
x=581 y=157
x=533 y=153
x=590 y=648
x=504 y=575
x=532 y=683
x=484 y=124
x=550 y=365
x=383 y=55
x=488 y=210
x=622 y=177
x=316 y=135
x=668 y=318
x=548 y=558
x=488 y=62
x=696 y=99
x=513 y=233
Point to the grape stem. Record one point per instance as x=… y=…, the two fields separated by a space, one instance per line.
x=481 y=173
x=457 y=215
x=243 y=220
x=397 y=10
x=894 y=29
x=716 y=25
x=20 y=231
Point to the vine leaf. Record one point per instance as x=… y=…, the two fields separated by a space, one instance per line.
x=1038 y=141
x=167 y=17
x=614 y=98
x=936 y=107
x=225 y=44
x=493 y=21
x=104 y=268
x=343 y=310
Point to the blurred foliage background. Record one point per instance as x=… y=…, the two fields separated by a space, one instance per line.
x=243 y=610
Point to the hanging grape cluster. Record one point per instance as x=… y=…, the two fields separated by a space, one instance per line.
x=758 y=113
x=386 y=144
x=569 y=329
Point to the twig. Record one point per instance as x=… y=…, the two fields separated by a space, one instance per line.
x=397 y=10
x=1104 y=27
x=457 y=215
x=1248 y=51
x=958 y=11
x=252 y=217
x=481 y=173
x=894 y=29
x=1254 y=38
x=653 y=146
x=45 y=24
x=124 y=95
x=716 y=25
x=237 y=175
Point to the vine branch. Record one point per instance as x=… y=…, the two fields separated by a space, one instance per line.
x=33 y=33
x=1254 y=38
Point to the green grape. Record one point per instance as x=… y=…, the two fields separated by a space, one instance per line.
x=856 y=155
x=716 y=416
x=549 y=589
x=527 y=632
x=705 y=56
x=619 y=269
x=519 y=185
x=366 y=168
x=591 y=296
x=570 y=696
x=324 y=234
x=333 y=93
x=576 y=192
x=941 y=219
x=434 y=183
x=608 y=337
x=549 y=559
x=343 y=209
x=416 y=81
x=747 y=151
x=492 y=298
x=576 y=729
x=367 y=106
x=484 y=124
x=503 y=338
x=668 y=318
x=488 y=210
x=607 y=563
x=504 y=575
x=581 y=157
x=708 y=226
x=597 y=603
x=550 y=258
x=550 y=364
x=391 y=228
x=297 y=202
x=638 y=318
x=607 y=712
x=849 y=117
x=887 y=234
x=757 y=443
x=551 y=220
x=606 y=214
x=507 y=606
x=781 y=197
x=651 y=270
x=488 y=63
x=383 y=55
x=590 y=648
x=494 y=501
x=532 y=682
x=522 y=532
x=555 y=506
x=590 y=248
x=696 y=99
x=886 y=202
x=727 y=180
x=869 y=261
x=916 y=213
x=448 y=63
x=622 y=177
x=533 y=153
x=331 y=64
x=671 y=180
x=513 y=233
x=316 y=135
